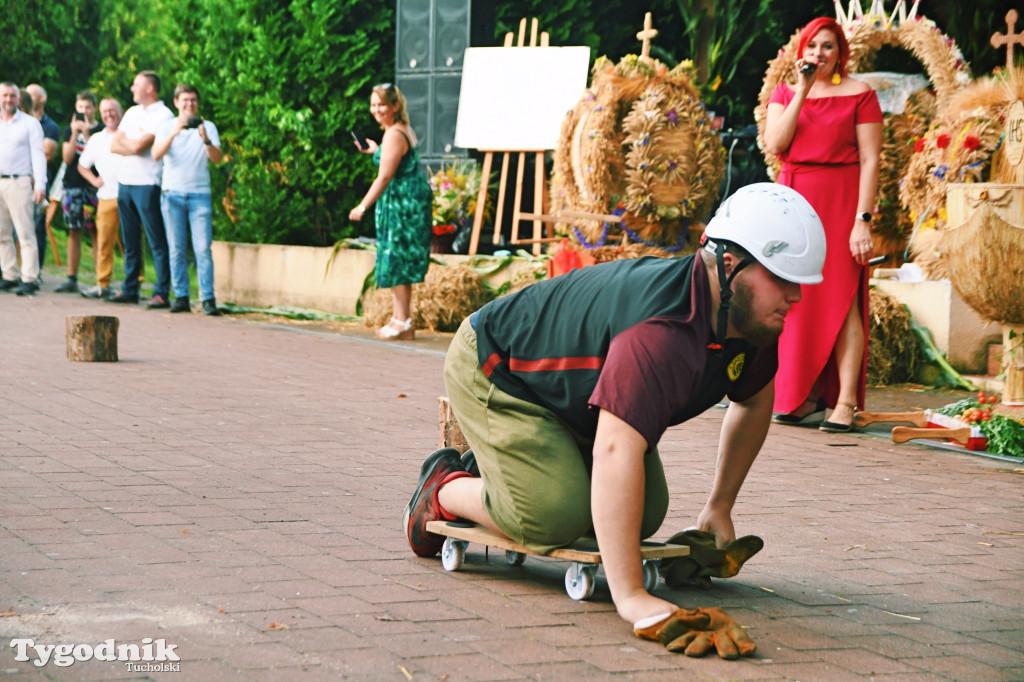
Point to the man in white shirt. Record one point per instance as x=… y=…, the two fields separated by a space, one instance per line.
x=97 y=155
x=187 y=145
x=22 y=186
x=138 y=196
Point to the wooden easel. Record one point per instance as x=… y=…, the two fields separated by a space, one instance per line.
x=540 y=193
x=540 y=188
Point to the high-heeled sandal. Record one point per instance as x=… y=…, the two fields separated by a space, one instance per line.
x=812 y=418
x=839 y=427
x=404 y=331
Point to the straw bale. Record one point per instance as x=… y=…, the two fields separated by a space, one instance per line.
x=448 y=295
x=893 y=351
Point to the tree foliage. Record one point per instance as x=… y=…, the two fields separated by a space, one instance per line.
x=50 y=43
x=285 y=79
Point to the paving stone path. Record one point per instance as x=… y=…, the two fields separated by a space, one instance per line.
x=235 y=489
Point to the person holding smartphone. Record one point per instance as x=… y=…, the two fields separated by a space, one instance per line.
x=827 y=131
x=403 y=210
x=188 y=145
x=79 y=201
x=100 y=166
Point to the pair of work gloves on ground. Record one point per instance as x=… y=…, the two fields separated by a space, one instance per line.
x=695 y=631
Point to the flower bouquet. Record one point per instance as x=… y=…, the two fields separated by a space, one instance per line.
x=456 y=187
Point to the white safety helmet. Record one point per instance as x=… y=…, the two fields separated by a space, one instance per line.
x=776 y=226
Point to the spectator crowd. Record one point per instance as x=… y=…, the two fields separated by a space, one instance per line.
x=129 y=173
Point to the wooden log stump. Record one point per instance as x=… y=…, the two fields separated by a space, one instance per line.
x=91 y=338
x=449 y=435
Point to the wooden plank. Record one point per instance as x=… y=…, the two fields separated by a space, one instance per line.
x=449 y=433
x=485 y=536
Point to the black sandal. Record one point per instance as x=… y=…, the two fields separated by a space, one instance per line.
x=838 y=427
x=813 y=418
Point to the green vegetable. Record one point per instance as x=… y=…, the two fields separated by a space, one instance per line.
x=1005 y=435
x=933 y=353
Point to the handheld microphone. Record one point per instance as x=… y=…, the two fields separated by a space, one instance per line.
x=808 y=68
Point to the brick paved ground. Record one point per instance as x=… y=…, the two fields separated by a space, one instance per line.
x=235 y=489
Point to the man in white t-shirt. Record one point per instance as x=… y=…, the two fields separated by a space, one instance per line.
x=138 y=196
x=97 y=155
x=187 y=145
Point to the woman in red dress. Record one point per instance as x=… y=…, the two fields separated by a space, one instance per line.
x=827 y=131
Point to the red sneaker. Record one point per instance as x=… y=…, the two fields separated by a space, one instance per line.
x=439 y=468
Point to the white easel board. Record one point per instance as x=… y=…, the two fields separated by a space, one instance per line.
x=515 y=98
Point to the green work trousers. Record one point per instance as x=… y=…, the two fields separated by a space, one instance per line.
x=536 y=470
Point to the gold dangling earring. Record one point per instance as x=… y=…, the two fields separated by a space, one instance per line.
x=836 y=78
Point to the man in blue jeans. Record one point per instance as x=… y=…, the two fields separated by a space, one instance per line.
x=186 y=145
x=138 y=196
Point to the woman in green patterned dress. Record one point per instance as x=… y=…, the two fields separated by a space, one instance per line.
x=403 y=212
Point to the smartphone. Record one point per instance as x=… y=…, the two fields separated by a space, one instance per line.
x=194 y=122
x=79 y=116
x=360 y=140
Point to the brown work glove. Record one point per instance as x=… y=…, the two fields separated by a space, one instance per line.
x=706 y=560
x=694 y=632
x=673 y=626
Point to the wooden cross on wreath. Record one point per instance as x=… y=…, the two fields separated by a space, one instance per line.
x=648 y=34
x=1009 y=39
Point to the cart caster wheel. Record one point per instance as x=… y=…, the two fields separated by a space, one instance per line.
x=452 y=553
x=579 y=581
x=650 y=574
x=514 y=558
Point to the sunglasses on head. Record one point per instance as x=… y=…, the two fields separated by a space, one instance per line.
x=383 y=86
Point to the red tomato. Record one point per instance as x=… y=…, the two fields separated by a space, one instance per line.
x=985 y=417
x=982 y=396
x=992 y=399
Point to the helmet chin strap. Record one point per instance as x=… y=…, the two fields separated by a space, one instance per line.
x=724 y=294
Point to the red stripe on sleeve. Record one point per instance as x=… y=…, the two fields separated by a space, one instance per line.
x=492 y=362
x=555 y=364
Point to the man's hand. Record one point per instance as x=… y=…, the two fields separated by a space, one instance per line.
x=673 y=626
x=706 y=559
x=694 y=632
x=38 y=196
x=718 y=522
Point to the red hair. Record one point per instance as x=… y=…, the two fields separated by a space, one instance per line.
x=829 y=24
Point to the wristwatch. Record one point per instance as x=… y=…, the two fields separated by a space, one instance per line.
x=865 y=216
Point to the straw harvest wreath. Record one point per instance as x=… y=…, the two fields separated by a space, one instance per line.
x=638 y=145
x=947 y=72
x=959 y=146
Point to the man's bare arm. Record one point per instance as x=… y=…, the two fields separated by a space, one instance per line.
x=743 y=432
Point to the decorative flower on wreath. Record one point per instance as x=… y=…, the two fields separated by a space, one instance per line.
x=958 y=147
